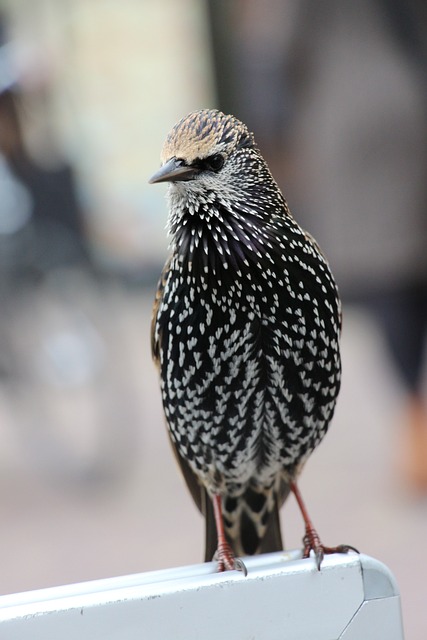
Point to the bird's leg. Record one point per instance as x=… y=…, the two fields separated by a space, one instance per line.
x=224 y=555
x=311 y=538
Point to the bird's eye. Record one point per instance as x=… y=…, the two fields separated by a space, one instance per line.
x=215 y=162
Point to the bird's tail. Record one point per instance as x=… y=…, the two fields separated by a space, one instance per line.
x=251 y=522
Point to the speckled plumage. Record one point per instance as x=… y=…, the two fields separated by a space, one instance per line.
x=246 y=330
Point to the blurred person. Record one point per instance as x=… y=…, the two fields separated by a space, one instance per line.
x=336 y=93
x=40 y=219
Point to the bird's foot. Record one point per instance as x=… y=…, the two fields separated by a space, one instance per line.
x=227 y=561
x=311 y=539
x=225 y=557
x=312 y=542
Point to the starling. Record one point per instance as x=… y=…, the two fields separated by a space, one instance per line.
x=245 y=333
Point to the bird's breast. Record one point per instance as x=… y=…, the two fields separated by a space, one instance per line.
x=243 y=375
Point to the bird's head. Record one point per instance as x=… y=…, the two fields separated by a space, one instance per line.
x=209 y=156
x=200 y=149
x=219 y=184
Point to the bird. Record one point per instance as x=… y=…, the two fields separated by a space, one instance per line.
x=245 y=334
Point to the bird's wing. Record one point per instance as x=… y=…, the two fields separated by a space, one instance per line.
x=314 y=242
x=196 y=490
x=155 y=338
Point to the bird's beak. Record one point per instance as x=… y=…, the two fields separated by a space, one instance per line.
x=174 y=170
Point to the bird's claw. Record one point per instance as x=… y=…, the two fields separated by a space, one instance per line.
x=227 y=561
x=312 y=542
x=239 y=565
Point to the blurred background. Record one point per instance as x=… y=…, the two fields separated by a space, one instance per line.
x=336 y=95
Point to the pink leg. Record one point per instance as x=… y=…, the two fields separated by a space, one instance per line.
x=226 y=558
x=311 y=538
